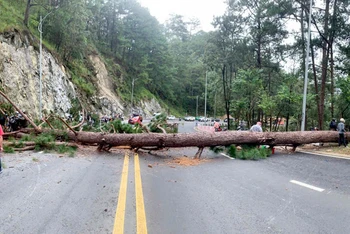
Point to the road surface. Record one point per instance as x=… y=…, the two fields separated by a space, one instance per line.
x=286 y=193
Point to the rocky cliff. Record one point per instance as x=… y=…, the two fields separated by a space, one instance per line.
x=20 y=80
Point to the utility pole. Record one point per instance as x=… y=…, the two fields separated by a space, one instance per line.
x=197 y=107
x=205 y=97
x=306 y=70
x=132 y=93
x=215 y=105
x=40 y=29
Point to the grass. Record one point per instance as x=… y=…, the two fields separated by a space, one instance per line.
x=11 y=14
x=87 y=87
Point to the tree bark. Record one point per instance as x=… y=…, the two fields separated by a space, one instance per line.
x=205 y=139
x=325 y=57
x=26 y=14
x=331 y=42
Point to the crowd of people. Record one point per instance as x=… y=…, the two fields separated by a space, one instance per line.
x=13 y=122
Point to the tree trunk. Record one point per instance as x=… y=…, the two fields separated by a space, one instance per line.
x=325 y=56
x=204 y=139
x=26 y=14
x=331 y=40
x=227 y=90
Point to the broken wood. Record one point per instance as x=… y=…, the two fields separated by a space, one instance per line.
x=32 y=147
x=199 y=153
x=31 y=143
x=162 y=129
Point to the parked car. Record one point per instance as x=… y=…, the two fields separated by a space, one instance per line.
x=231 y=120
x=171 y=117
x=203 y=119
x=189 y=118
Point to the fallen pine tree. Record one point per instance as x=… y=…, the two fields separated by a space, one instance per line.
x=106 y=141
x=205 y=139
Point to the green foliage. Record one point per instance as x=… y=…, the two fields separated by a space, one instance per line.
x=157 y=120
x=161 y=120
x=248 y=151
x=87 y=87
x=8 y=149
x=217 y=149
x=28 y=137
x=7 y=107
x=118 y=126
x=76 y=107
x=232 y=151
x=44 y=141
x=11 y=14
x=66 y=149
x=19 y=144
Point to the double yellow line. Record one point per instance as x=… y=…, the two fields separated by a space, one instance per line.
x=141 y=223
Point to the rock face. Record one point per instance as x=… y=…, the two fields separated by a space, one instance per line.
x=20 y=80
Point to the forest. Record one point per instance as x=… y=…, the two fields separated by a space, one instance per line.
x=253 y=64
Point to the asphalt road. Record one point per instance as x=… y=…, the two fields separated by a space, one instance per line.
x=43 y=193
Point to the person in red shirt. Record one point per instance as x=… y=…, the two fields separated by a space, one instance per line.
x=217 y=126
x=136 y=119
x=1 y=148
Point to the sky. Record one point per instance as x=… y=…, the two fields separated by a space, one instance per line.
x=204 y=10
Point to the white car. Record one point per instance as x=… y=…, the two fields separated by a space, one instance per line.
x=171 y=117
x=189 y=118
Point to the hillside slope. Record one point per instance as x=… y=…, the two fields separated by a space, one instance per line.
x=20 y=80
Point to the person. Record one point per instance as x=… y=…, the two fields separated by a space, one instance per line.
x=136 y=119
x=1 y=148
x=341 y=131
x=256 y=127
x=217 y=126
x=333 y=125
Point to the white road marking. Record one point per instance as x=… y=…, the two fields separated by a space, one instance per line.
x=307 y=186
x=226 y=156
x=37 y=181
x=325 y=155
